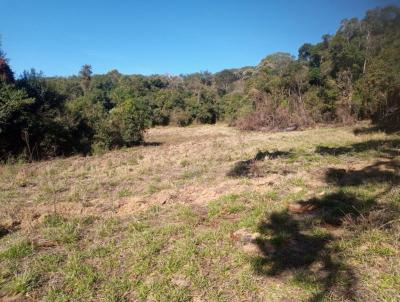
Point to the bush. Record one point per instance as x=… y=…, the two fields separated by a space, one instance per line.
x=14 y=105
x=279 y=119
x=233 y=106
x=181 y=118
x=128 y=121
x=98 y=129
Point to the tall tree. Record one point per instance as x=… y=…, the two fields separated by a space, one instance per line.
x=223 y=79
x=86 y=75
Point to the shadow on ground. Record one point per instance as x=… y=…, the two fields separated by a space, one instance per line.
x=151 y=144
x=379 y=172
x=300 y=241
x=389 y=148
x=248 y=168
x=366 y=130
x=3 y=231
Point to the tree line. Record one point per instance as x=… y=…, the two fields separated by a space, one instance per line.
x=351 y=75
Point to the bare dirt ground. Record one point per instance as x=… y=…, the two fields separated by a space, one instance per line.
x=177 y=165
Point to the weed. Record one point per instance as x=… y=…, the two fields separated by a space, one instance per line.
x=22 y=283
x=18 y=250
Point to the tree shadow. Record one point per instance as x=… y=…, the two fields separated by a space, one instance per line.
x=379 y=172
x=151 y=144
x=248 y=168
x=3 y=231
x=387 y=147
x=389 y=121
x=300 y=243
x=366 y=130
x=301 y=240
x=390 y=125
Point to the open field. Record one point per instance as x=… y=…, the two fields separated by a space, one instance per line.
x=207 y=213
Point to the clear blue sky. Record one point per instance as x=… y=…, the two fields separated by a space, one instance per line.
x=163 y=36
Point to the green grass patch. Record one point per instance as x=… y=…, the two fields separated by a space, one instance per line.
x=18 y=250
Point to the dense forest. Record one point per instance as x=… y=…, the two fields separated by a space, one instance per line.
x=351 y=75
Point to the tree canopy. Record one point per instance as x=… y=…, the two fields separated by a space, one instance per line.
x=351 y=75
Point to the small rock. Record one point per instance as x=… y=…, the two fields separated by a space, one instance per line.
x=250 y=243
x=245 y=236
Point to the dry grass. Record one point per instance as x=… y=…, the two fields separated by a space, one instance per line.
x=153 y=223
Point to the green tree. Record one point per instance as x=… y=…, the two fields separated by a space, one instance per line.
x=130 y=119
x=224 y=79
x=14 y=117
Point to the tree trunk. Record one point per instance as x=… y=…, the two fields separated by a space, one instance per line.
x=366 y=52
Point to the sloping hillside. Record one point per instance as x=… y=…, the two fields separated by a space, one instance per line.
x=207 y=213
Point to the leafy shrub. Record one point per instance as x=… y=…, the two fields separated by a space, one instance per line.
x=234 y=106
x=181 y=117
x=128 y=121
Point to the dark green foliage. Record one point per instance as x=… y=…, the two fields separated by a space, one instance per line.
x=40 y=118
x=13 y=116
x=353 y=74
x=129 y=119
x=233 y=106
x=205 y=109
